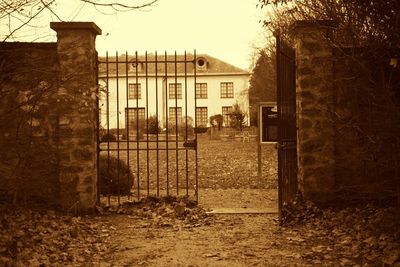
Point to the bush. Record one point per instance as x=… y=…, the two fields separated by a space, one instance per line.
x=182 y=127
x=217 y=120
x=237 y=118
x=108 y=138
x=154 y=125
x=201 y=130
x=109 y=182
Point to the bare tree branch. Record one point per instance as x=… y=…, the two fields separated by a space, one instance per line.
x=51 y=10
x=18 y=14
x=115 y=5
x=27 y=22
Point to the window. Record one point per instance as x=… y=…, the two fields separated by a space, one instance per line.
x=175 y=91
x=225 y=115
x=201 y=90
x=175 y=111
x=134 y=91
x=131 y=114
x=227 y=90
x=201 y=116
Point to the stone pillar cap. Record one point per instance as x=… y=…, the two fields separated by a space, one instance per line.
x=76 y=25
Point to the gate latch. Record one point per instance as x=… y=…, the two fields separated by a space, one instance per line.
x=190 y=144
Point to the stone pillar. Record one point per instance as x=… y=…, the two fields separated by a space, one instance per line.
x=315 y=103
x=77 y=110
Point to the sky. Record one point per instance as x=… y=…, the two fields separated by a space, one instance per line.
x=227 y=29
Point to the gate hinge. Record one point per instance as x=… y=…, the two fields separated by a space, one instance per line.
x=191 y=144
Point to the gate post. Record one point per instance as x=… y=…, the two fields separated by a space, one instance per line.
x=77 y=111
x=315 y=104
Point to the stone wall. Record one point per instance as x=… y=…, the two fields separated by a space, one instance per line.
x=348 y=119
x=367 y=116
x=315 y=103
x=48 y=119
x=28 y=122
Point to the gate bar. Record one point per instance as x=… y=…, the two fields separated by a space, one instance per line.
x=137 y=127
x=279 y=104
x=176 y=125
x=157 y=156
x=126 y=116
x=97 y=131
x=150 y=61
x=186 y=130
x=108 y=126
x=195 y=132
x=118 y=156
x=147 y=128
x=166 y=117
x=144 y=149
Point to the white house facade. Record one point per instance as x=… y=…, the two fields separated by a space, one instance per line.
x=169 y=87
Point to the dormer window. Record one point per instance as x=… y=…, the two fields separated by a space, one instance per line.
x=201 y=63
x=133 y=65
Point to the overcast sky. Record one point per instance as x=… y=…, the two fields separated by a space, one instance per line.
x=226 y=29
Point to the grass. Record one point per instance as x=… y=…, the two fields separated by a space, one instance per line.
x=220 y=165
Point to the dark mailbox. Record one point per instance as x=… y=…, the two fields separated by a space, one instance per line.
x=268 y=122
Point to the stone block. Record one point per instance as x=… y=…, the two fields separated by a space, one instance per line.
x=307 y=160
x=84 y=153
x=85 y=130
x=309 y=81
x=305 y=123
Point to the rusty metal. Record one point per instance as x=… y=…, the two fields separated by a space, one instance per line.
x=287 y=131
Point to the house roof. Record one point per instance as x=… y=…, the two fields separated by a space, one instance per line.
x=205 y=65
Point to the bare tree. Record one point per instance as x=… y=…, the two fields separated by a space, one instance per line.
x=361 y=23
x=19 y=14
x=262 y=82
x=372 y=30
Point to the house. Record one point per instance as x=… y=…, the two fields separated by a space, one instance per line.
x=169 y=87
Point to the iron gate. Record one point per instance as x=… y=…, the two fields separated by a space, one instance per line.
x=147 y=123
x=287 y=131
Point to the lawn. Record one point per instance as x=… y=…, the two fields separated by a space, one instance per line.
x=220 y=165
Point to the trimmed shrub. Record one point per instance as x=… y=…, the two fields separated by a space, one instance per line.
x=154 y=125
x=110 y=183
x=108 y=138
